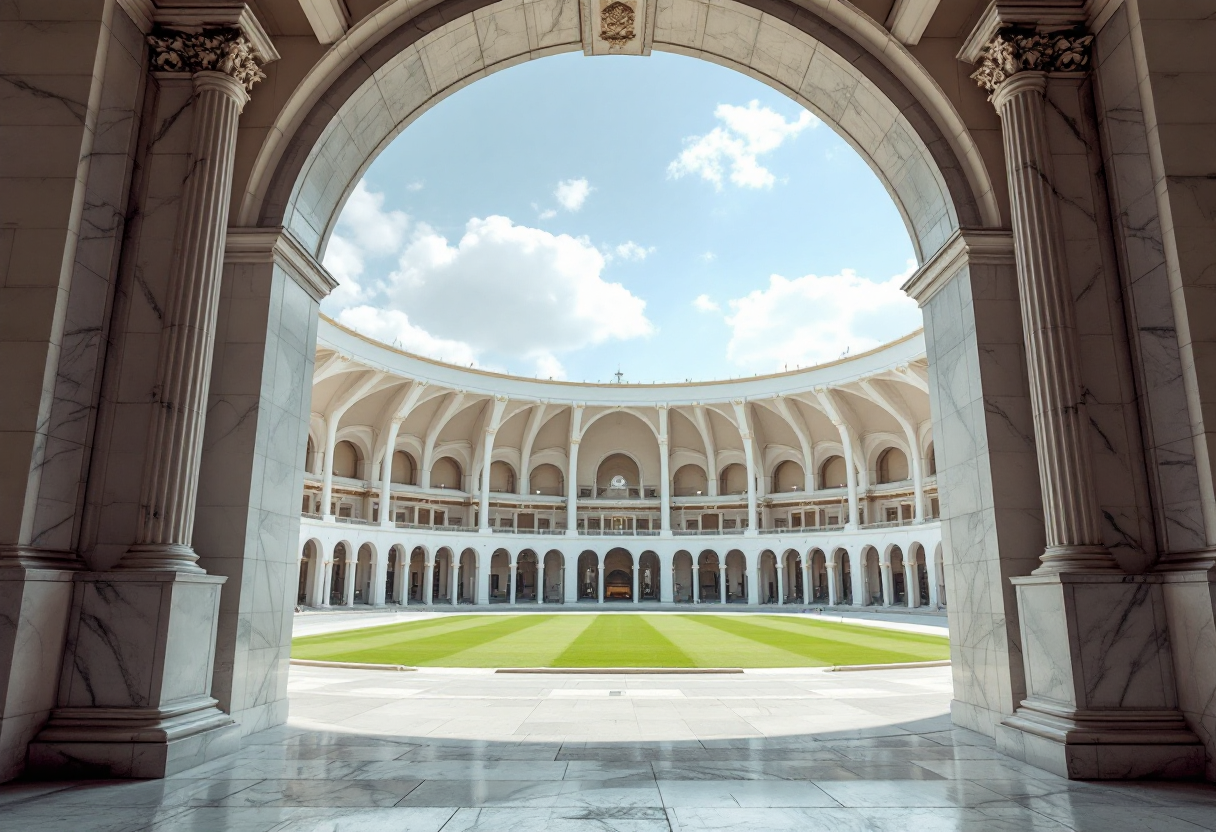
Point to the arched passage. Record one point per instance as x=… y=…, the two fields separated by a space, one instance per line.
x=768 y=590
x=792 y=586
x=681 y=577
x=527 y=573
x=738 y=589
x=818 y=577
x=588 y=576
x=308 y=591
x=711 y=584
x=619 y=576
x=788 y=476
x=844 y=578
x=689 y=481
x=649 y=577
x=338 y=572
x=365 y=572
x=871 y=578
x=417 y=576
x=395 y=575
x=500 y=576
x=553 y=578
x=466 y=578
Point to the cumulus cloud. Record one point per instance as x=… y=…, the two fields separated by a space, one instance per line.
x=364 y=230
x=547 y=214
x=812 y=319
x=703 y=303
x=630 y=250
x=501 y=292
x=745 y=134
x=572 y=193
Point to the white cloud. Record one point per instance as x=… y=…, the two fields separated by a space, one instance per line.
x=392 y=326
x=415 y=186
x=548 y=214
x=502 y=291
x=707 y=257
x=703 y=303
x=748 y=132
x=632 y=251
x=813 y=319
x=572 y=193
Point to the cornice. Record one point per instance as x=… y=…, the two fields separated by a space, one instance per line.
x=279 y=246
x=197 y=17
x=1040 y=15
x=967 y=246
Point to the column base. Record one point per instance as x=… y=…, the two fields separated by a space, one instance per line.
x=1128 y=745
x=1101 y=698
x=36 y=603
x=133 y=743
x=134 y=693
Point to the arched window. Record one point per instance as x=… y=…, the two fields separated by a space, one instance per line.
x=892 y=466
x=788 y=477
x=403 y=469
x=833 y=473
x=690 y=481
x=547 y=479
x=346 y=460
x=733 y=479
x=445 y=473
x=502 y=478
x=618 y=465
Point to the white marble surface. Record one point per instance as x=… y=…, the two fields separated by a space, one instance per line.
x=478 y=751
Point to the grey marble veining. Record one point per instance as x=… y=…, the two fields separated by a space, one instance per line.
x=910 y=770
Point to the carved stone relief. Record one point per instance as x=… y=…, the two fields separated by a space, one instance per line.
x=216 y=50
x=1013 y=51
x=617 y=24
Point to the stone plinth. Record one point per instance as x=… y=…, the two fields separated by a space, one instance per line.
x=134 y=692
x=34 y=607
x=1100 y=701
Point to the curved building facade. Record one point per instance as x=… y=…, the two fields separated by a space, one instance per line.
x=429 y=483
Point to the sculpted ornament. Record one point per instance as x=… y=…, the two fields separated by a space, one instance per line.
x=616 y=24
x=216 y=50
x=1011 y=52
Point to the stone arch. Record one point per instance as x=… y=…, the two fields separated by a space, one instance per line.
x=365 y=574
x=843 y=579
x=681 y=577
x=848 y=70
x=788 y=476
x=818 y=590
x=311 y=562
x=347 y=459
x=766 y=575
x=500 y=576
x=792 y=589
x=689 y=480
x=871 y=578
x=553 y=577
x=527 y=576
x=446 y=473
x=620 y=573
x=891 y=466
x=394 y=578
x=711 y=583
x=732 y=479
x=587 y=581
x=618 y=463
x=466 y=576
x=419 y=557
x=650 y=576
x=547 y=478
x=405 y=468
x=833 y=472
x=502 y=477
x=338 y=569
x=738 y=588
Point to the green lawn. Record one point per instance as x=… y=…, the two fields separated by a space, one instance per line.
x=621 y=640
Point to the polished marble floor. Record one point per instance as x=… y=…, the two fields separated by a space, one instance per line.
x=376 y=751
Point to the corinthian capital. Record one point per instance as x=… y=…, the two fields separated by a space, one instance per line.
x=1012 y=51
x=216 y=50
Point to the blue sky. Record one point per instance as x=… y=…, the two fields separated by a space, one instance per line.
x=663 y=214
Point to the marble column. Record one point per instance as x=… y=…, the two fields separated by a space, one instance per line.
x=833 y=582
x=888 y=583
x=745 y=433
x=600 y=576
x=428 y=580
x=1101 y=696
x=511 y=581
x=327 y=470
x=636 y=569
x=454 y=581
x=135 y=692
x=664 y=475
x=722 y=588
x=386 y=473
x=780 y=584
x=696 y=584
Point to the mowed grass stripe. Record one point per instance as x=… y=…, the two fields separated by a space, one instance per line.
x=431 y=648
x=535 y=646
x=920 y=646
x=817 y=651
x=710 y=647
x=390 y=634
x=622 y=641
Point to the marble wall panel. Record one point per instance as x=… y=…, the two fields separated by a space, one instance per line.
x=552 y=23
x=730 y=31
x=247 y=526
x=987 y=481
x=502 y=30
x=781 y=53
x=679 y=22
x=451 y=54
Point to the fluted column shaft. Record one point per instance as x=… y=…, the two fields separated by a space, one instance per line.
x=170 y=480
x=1070 y=504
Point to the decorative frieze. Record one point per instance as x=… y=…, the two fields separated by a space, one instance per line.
x=211 y=50
x=1012 y=51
